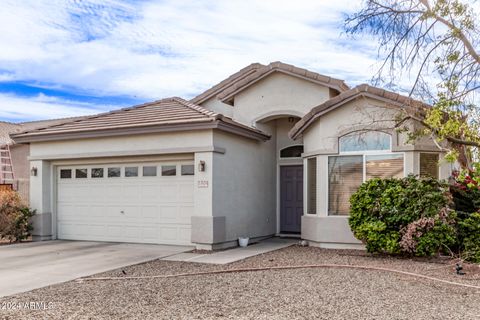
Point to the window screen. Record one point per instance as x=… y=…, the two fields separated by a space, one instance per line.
x=429 y=165
x=312 y=186
x=345 y=175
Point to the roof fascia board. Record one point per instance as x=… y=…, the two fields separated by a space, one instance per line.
x=217 y=124
x=113 y=132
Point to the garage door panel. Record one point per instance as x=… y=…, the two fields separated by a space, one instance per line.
x=149 y=213
x=125 y=209
x=149 y=192
x=131 y=193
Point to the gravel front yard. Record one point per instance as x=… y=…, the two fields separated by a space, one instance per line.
x=279 y=294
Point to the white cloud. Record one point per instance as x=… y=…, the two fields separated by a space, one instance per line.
x=16 y=108
x=154 y=49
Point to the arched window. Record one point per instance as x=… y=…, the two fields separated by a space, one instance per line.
x=291 y=152
x=365 y=141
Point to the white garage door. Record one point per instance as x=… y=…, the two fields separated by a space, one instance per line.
x=143 y=202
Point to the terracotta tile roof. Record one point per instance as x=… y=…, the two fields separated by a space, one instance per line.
x=233 y=88
x=162 y=115
x=30 y=125
x=360 y=90
x=216 y=89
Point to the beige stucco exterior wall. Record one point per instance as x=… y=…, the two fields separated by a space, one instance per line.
x=277 y=94
x=321 y=140
x=124 y=145
x=244 y=186
x=218 y=106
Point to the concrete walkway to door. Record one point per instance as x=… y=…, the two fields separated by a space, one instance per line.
x=27 y=266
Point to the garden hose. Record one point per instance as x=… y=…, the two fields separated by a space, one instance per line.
x=313 y=266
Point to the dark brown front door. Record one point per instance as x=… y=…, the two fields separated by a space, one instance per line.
x=291 y=198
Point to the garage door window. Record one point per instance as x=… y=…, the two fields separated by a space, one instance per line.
x=188 y=170
x=169 y=170
x=150 y=171
x=81 y=173
x=131 y=172
x=114 y=172
x=65 y=174
x=97 y=173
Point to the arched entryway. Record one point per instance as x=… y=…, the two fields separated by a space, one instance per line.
x=289 y=167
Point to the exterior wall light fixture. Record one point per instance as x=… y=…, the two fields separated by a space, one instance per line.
x=201 y=166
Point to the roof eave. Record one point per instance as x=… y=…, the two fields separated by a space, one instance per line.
x=88 y=134
x=216 y=124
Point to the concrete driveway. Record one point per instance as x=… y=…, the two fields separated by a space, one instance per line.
x=28 y=266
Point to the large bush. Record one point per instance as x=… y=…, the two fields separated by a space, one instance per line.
x=469 y=237
x=408 y=215
x=465 y=189
x=14 y=217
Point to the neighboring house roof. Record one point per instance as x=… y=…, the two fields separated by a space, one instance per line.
x=171 y=114
x=8 y=128
x=363 y=90
x=246 y=77
x=5 y=129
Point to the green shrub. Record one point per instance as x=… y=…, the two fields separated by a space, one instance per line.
x=469 y=237
x=14 y=217
x=408 y=215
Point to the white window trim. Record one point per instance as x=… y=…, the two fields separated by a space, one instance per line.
x=307 y=187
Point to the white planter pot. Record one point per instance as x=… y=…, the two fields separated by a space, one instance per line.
x=243 y=242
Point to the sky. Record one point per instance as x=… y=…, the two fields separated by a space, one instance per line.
x=63 y=58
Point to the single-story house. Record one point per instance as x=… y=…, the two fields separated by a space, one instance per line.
x=14 y=163
x=272 y=150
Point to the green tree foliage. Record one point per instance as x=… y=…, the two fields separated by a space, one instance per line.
x=438 y=41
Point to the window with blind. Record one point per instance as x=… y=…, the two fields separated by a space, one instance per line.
x=362 y=157
x=384 y=166
x=345 y=175
x=429 y=165
x=312 y=186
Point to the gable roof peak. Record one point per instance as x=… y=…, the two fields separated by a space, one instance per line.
x=226 y=94
x=362 y=90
